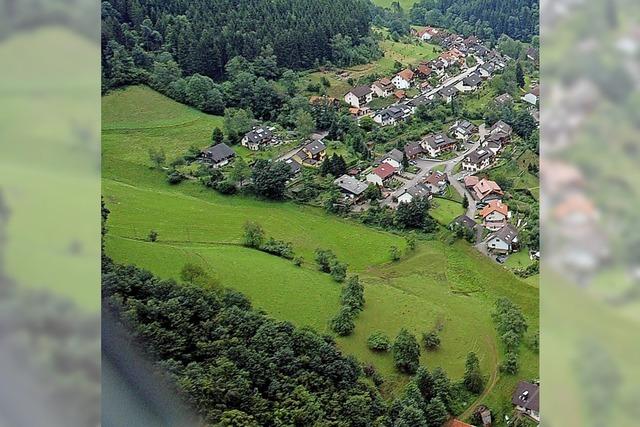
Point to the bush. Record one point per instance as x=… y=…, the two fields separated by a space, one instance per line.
x=297 y=261
x=406 y=352
x=510 y=364
x=353 y=294
x=226 y=187
x=324 y=259
x=395 y=253
x=253 y=235
x=153 y=236
x=342 y=324
x=338 y=271
x=175 y=178
x=378 y=341
x=278 y=247
x=431 y=340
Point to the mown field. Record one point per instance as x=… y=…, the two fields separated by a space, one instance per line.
x=406 y=4
x=450 y=286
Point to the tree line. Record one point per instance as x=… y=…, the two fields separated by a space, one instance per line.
x=487 y=19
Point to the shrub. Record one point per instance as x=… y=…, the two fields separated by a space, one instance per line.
x=342 y=324
x=226 y=187
x=253 y=235
x=378 y=341
x=297 y=261
x=278 y=247
x=338 y=271
x=153 y=236
x=353 y=294
x=431 y=340
x=510 y=364
x=324 y=259
x=175 y=177
x=395 y=253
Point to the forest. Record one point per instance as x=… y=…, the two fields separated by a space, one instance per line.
x=487 y=19
x=203 y=36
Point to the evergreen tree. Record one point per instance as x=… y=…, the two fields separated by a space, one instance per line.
x=520 y=75
x=436 y=413
x=473 y=380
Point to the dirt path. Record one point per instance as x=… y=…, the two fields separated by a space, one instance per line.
x=493 y=380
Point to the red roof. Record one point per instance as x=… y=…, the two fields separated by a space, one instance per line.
x=406 y=74
x=457 y=423
x=495 y=206
x=384 y=171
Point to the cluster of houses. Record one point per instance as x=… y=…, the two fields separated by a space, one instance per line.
x=498 y=137
x=455 y=57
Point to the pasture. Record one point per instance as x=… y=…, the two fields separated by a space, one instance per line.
x=449 y=286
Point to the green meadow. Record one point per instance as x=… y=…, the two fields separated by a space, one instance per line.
x=451 y=287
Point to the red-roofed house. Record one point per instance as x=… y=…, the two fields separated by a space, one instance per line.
x=486 y=190
x=494 y=215
x=381 y=174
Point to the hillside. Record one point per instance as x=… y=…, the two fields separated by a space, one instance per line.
x=438 y=284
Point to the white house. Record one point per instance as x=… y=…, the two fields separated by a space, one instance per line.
x=394 y=158
x=403 y=79
x=417 y=191
x=477 y=160
x=504 y=240
x=392 y=115
x=532 y=96
x=258 y=138
x=463 y=129
x=437 y=143
x=359 y=96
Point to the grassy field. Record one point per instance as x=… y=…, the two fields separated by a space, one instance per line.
x=406 y=4
x=405 y=53
x=437 y=284
x=444 y=211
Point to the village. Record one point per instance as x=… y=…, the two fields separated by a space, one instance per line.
x=437 y=165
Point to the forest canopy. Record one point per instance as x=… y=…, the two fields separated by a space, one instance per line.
x=487 y=19
x=203 y=36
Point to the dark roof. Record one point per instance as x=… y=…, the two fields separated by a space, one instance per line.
x=417 y=101
x=465 y=127
x=501 y=126
x=527 y=395
x=464 y=221
x=489 y=67
x=478 y=156
x=472 y=80
x=413 y=149
x=315 y=147
x=350 y=185
x=438 y=139
x=395 y=111
x=505 y=97
x=448 y=91
x=295 y=166
x=507 y=234
x=394 y=154
x=418 y=190
x=219 y=153
x=361 y=91
x=259 y=134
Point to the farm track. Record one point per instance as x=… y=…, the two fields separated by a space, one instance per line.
x=493 y=380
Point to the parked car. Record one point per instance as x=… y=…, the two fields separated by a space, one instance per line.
x=501 y=258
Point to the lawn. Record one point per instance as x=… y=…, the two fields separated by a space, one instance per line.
x=444 y=210
x=452 y=286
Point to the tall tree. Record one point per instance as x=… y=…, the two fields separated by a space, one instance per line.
x=406 y=352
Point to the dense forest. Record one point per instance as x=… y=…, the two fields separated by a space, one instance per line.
x=487 y=19
x=203 y=36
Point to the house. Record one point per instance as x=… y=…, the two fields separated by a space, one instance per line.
x=380 y=175
x=471 y=83
x=392 y=115
x=413 y=150
x=532 y=96
x=312 y=154
x=485 y=190
x=526 y=399
x=477 y=160
x=503 y=99
x=426 y=33
x=437 y=182
x=463 y=129
x=494 y=215
x=400 y=94
x=394 y=158
x=258 y=138
x=447 y=93
x=500 y=133
x=418 y=191
x=417 y=101
x=437 y=143
x=359 y=112
x=503 y=241
x=359 y=96
x=492 y=145
x=218 y=155
x=350 y=187
x=382 y=88
x=487 y=69
x=295 y=166
x=464 y=222
x=423 y=71
x=403 y=79
x=425 y=87
x=485 y=415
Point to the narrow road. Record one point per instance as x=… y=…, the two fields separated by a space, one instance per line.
x=493 y=380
